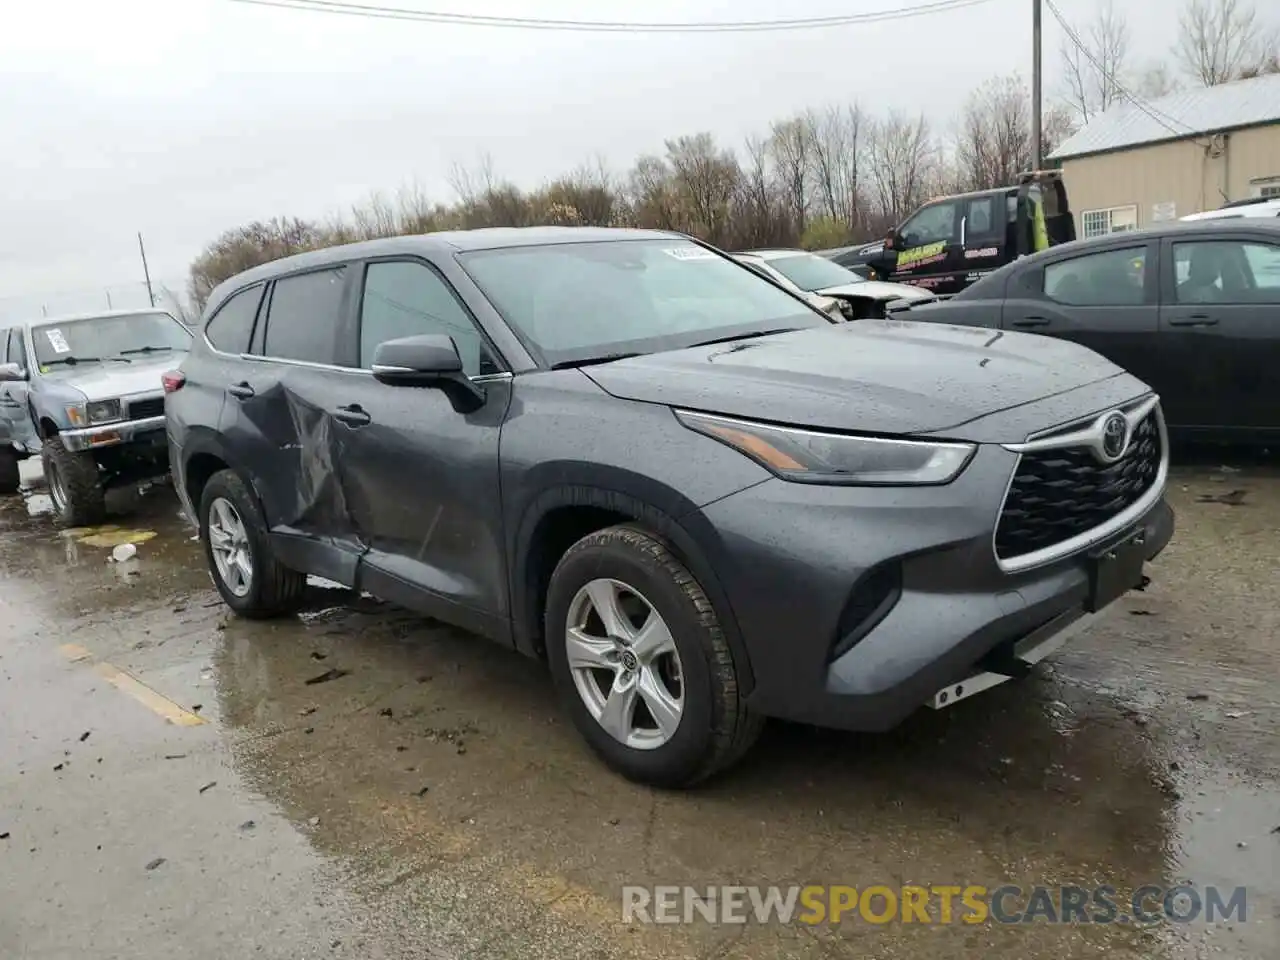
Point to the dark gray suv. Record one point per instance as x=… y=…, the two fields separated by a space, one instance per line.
x=702 y=501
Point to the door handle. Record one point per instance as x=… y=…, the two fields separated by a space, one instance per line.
x=241 y=390
x=1031 y=322
x=1195 y=320
x=353 y=415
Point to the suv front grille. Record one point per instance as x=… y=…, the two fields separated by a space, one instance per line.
x=1058 y=494
x=146 y=407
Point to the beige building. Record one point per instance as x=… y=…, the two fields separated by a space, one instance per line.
x=1139 y=164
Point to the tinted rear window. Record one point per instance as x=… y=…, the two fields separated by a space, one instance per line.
x=232 y=325
x=304 y=315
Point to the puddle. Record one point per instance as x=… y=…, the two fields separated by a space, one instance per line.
x=1225 y=838
x=108 y=535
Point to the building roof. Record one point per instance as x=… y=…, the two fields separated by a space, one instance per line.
x=1228 y=106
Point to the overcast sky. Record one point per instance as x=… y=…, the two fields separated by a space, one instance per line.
x=181 y=118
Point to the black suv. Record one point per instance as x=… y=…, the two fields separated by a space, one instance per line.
x=701 y=500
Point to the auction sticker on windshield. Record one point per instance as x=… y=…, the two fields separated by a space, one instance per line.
x=57 y=341
x=690 y=253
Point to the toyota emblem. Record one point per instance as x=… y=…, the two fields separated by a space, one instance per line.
x=1115 y=436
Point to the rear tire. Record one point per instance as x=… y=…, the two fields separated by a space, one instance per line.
x=634 y=570
x=10 y=480
x=75 y=484
x=250 y=579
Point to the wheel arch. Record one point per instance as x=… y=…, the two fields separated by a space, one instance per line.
x=203 y=455
x=562 y=514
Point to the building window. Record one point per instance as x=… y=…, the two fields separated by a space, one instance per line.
x=1098 y=223
x=1268 y=188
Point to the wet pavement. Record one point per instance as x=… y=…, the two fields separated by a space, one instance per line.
x=359 y=782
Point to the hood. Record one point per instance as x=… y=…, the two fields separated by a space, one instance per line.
x=877 y=290
x=873 y=376
x=107 y=381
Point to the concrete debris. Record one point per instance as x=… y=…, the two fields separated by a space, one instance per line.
x=123 y=552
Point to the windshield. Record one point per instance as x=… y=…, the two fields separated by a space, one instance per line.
x=132 y=336
x=810 y=272
x=577 y=301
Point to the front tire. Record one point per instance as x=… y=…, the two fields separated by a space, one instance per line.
x=75 y=484
x=237 y=547
x=641 y=663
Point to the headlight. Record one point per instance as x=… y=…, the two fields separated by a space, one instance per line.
x=97 y=411
x=811 y=457
x=103 y=411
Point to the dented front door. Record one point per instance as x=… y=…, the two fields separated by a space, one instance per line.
x=277 y=416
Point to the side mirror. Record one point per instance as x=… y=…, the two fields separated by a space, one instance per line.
x=430 y=360
x=10 y=372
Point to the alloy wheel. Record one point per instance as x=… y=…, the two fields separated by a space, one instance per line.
x=229 y=546
x=625 y=664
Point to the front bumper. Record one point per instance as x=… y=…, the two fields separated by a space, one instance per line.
x=112 y=434
x=795 y=560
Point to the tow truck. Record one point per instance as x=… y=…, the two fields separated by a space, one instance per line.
x=949 y=242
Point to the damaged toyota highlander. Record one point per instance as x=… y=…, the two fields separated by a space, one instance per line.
x=700 y=500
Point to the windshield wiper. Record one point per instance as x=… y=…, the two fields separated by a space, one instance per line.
x=147 y=349
x=591 y=361
x=72 y=361
x=744 y=336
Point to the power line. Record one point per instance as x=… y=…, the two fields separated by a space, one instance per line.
x=377 y=12
x=1109 y=77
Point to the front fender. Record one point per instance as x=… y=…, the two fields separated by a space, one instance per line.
x=659 y=509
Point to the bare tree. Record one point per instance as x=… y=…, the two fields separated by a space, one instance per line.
x=1220 y=39
x=836 y=150
x=760 y=219
x=1156 y=81
x=1266 y=63
x=994 y=144
x=653 y=194
x=1094 y=68
x=589 y=191
x=1056 y=126
x=903 y=158
x=706 y=178
x=790 y=144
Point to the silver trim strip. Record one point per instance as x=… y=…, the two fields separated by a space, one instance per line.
x=1089 y=436
x=1088 y=538
x=360 y=371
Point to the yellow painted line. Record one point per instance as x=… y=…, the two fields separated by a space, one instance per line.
x=155 y=702
x=74 y=652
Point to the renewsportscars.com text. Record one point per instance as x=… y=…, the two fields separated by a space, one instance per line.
x=940 y=904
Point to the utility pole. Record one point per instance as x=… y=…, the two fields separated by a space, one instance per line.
x=1037 y=133
x=145 y=271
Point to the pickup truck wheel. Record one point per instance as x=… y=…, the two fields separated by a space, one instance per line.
x=641 y=663
x=9 y=478
x=238 y=548
x=75 y=484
